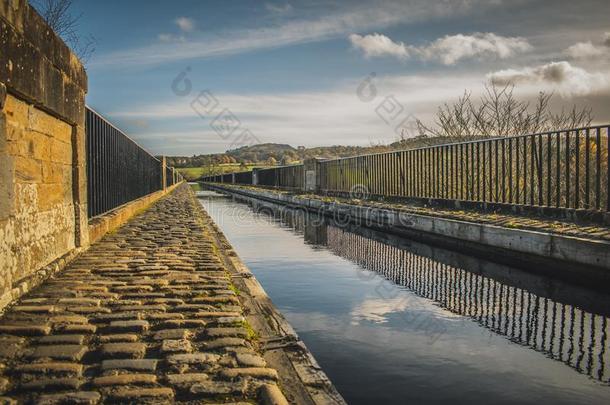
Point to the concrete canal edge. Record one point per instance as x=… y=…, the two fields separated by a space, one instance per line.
x=552 y=254
x=302 y=380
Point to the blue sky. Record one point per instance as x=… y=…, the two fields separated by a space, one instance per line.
x=289 y=72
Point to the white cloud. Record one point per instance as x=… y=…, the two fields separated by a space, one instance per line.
x=312 y=118
x=171 y=38
x=378 y=45
x=585 y=50
x=332 y=25
x=376 y=310
x=569 y=80
x=589 y=50
x=279 y=8
x=452 y=48
x=185 y=24
x=447 y=50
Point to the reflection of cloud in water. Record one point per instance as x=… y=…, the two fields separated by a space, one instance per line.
x=376 y=309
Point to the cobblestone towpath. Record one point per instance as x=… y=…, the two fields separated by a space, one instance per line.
x=155 y=313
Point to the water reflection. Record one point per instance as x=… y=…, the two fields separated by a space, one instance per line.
x=566 y=323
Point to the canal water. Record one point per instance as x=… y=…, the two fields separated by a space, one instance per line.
x=394 y=321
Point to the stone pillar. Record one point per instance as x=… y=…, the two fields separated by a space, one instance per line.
x=311 y=171
x=255 y=177
x=232 y=178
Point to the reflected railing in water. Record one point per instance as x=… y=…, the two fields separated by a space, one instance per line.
x=566 y=323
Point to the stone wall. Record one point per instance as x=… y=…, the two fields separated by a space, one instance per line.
x=43 y=211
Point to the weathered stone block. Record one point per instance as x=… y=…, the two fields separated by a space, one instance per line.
x=28 y=170
x=119 y=338
x=49 y=196
x=256 y=372
x=215 y=388
x=38 y=145
x=129 y=326
x=53 y=368
x=130 y=364
x=186 y=379
x=52 y=383
x=61 y=152
x=123 y=350
x=56 y=173
x=26 y=330
x=17 y=112
x=80 y=397
x=62 y=339
x=176 y=346
x=125 y=379
x=60 y=352
x=136 y=395
x=193 y=358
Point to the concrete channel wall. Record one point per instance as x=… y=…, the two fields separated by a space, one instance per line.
x=570 y=257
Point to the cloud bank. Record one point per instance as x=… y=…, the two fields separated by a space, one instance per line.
x=447 y=50
x=378 y=45
x=334 y=25
x=569 y=80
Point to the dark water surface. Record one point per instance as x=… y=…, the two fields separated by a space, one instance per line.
x=393 y=321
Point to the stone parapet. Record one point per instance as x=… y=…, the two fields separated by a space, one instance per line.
x=43 y=203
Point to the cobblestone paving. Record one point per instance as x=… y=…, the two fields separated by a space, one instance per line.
x=589 y=231
x=146 y=315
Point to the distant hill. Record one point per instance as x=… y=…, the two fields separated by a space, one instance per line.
x=276 y=153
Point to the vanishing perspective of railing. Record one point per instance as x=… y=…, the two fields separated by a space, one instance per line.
x=118 y=170
x=559 y=169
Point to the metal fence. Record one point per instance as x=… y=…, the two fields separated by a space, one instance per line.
x=118 y=170
x=243 y=177
x=559 y=169
x=563 y=169
x=290 y=177
x=170 y=176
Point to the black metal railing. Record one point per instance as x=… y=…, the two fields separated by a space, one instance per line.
x=563 y=169
x=243 y=177
x=290 y=177
x=227 y=178
x=559 y=169
x=118 y=170
x=169 y=176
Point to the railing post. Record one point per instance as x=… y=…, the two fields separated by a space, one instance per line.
x=164 y=175
x=311 y=180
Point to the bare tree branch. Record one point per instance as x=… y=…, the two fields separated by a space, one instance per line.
x=57 y=13
x=500 y=113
